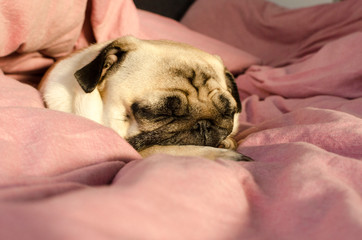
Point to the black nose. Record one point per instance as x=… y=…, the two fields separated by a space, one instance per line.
x=206 y=133
x=203 y=127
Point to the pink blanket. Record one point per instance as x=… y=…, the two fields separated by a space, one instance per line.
x=65 y=177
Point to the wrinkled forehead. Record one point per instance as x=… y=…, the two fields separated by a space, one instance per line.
x=174 y=53
x=178 y=61
x=167 y=65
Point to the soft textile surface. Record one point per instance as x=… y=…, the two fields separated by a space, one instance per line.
x=65 y=177
x=275 y=34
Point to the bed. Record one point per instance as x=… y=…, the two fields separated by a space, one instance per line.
x=299 y=75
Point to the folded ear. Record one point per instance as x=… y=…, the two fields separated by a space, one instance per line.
x=93 y=73
x=233 y=89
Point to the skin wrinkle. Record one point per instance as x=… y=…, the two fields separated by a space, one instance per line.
x=197 y=78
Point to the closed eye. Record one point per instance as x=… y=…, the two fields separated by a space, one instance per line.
x=224 y=106
x=152 y=113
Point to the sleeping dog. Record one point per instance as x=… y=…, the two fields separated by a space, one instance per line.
x=161 y=96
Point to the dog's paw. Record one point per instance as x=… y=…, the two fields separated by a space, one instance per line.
x=227 y=154
x=228 y=143
x=200 y=151
x=245 y=158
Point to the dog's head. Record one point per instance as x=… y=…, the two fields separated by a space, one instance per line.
x=161 y=92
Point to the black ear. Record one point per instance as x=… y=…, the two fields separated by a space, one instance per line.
x=92 y=74
x=230 y=82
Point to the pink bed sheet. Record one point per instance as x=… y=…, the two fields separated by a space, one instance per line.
x=65 y=177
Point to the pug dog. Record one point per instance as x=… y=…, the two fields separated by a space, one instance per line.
x=161 y=96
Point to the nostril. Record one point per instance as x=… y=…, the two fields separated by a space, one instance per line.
x=206 y=133
x=202 y=126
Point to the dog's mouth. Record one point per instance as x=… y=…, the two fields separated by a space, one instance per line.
x=203 y=133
